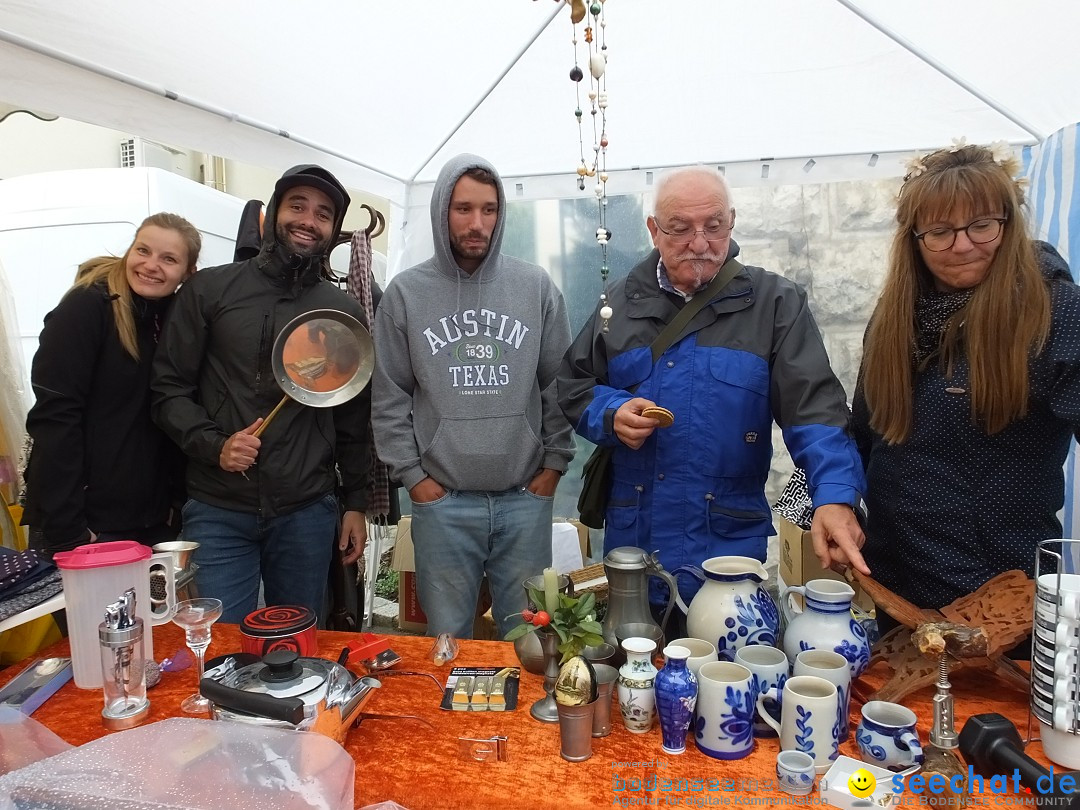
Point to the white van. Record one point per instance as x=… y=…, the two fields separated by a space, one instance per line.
x=52 y=222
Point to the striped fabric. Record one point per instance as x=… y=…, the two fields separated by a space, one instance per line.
x=1054 y=208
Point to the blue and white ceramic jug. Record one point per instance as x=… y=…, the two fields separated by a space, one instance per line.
x=827 y=624
x=732 y=609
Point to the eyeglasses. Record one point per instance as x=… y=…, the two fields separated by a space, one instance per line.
x=682 y=234
x=978 y=232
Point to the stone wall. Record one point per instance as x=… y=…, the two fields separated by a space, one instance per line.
x=833 y=239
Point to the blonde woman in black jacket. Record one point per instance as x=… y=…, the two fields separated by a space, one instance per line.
x=100 y=469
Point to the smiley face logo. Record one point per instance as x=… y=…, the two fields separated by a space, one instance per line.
x=861 y=783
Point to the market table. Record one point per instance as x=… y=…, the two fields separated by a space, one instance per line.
x=420 y=767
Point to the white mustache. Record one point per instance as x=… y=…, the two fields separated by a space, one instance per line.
x=699 y=257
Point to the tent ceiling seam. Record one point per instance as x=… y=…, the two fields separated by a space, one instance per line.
x=940 y=67
x=487 y=92
x=113 y=75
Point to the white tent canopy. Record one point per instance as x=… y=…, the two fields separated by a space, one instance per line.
x=383 y=92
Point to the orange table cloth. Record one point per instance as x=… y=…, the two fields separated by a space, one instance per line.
x=420 y=767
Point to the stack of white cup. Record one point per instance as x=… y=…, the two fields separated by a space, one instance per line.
x=1055 y=666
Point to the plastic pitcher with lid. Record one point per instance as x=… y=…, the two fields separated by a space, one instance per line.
x=96 y=575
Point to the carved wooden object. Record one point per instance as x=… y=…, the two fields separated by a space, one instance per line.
x=1001 y=609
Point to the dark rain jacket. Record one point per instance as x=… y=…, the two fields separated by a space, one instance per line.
x=99 y=463
x=213 y=377
x=752 y=356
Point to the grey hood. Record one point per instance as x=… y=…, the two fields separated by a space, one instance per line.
x=440 y=210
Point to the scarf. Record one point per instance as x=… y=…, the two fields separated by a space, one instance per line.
x=933 y=313
x=358 y=283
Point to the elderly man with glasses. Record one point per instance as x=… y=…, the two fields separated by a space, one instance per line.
x=749 y=356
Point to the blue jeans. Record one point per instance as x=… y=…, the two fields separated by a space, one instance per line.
x=464 y=535
x=289 y=553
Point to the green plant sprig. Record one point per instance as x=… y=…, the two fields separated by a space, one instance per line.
x=574 y=621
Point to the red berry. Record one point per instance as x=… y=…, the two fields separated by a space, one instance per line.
x=541 y=619
x=527 y=615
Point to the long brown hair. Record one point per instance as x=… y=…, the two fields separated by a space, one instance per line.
x=113 y=270
x=1003 y=325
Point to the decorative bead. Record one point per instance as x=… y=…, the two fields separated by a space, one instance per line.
x=603 y=177
x=590 y=172
x=606 y=313
x=595 y=8
x=602 y=101
x=597 y=65
x=592 y=96
x=588 y=35
x=603 y=235
x=581 y=183
x=603 y=201
x=599 y=190
x=603 y=141
x=577 y=113
x=596 y=147
x=576 y=74
x=603 y=297
x=581 y=170
x=577 y=11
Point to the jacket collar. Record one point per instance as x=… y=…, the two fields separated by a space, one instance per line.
x=645 y=299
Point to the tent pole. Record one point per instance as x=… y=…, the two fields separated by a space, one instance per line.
x=943 y=70
x=123 y=78
x=488 y=92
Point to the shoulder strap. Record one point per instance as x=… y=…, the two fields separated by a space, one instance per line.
x=670 y=333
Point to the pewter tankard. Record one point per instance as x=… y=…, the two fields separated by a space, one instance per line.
x=628 y=570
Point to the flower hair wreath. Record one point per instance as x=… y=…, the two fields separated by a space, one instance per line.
x=1000 y=151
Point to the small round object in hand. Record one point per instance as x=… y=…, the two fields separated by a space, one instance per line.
x=662 y=415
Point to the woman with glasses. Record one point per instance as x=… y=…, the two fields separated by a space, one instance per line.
x=969 y=391
x=100 y=469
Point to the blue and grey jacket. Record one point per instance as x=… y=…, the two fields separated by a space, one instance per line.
x=752 y=356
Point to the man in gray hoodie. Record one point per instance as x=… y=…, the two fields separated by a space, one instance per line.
x=464 y=408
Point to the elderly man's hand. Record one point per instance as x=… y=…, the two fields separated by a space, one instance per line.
x=631 y=428
x=838 y=537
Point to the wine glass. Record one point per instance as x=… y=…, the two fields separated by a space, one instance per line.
x=196 y=616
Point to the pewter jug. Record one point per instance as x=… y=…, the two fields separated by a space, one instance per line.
x=628 y=570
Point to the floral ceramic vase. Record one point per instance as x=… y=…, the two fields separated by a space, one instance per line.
x=637 y=698
x=732 y=609
x=827 y=624
x=676 y=695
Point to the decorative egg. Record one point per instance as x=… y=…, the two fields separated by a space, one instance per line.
x=576 y=684
x=597 y=65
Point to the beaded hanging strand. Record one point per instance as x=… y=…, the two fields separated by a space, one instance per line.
x=596 y=47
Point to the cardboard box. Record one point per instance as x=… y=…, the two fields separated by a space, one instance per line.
x=798 y=563
x=410 y=616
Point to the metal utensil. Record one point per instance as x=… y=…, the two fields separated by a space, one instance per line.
x=322 y=358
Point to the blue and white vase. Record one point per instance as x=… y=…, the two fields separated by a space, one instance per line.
x=732 y=609
x=827 y=624
x=676 y=689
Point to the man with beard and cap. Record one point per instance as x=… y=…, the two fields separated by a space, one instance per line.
x=467 y=345
x=752 y=355
x=264 y=508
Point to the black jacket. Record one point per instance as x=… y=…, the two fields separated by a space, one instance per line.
x=98 y=462
x=213 y=377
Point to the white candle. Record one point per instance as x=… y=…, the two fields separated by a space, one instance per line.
x=551 y=591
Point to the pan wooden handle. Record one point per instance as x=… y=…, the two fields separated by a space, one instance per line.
x=259 y=430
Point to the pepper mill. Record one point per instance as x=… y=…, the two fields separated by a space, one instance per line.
x=122 y=667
